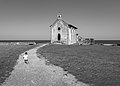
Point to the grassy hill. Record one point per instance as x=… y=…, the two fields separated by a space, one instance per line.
x=93 y=64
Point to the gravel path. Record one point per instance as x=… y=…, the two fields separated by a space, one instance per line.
x=38 y=73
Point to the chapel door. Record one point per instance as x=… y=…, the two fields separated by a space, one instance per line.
x=59 y=37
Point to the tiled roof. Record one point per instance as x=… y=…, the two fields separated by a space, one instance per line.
x=69 y=25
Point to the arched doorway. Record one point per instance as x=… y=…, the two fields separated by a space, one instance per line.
x=59 y=37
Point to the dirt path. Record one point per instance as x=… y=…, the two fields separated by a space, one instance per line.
x=37 y=73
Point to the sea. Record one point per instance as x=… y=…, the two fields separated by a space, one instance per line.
x=47 y=41
x=107 y=41
x=36 y=41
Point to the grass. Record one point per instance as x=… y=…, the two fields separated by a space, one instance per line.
x=92 y=64
x=8 y=58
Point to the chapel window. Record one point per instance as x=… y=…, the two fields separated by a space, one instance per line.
x=58 y=28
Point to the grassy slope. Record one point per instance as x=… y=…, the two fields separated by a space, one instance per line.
x=92 y=64
x=8 y=57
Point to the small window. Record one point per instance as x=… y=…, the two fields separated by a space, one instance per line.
x=58 y=28
x=76 y=34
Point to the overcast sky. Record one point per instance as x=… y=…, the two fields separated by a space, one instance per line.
x=30 y=19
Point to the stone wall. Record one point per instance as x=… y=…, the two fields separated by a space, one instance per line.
x=63 y=32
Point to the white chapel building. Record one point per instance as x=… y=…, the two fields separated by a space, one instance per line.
x=62 y=32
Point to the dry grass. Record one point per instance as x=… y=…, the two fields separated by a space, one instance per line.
x=8 y=57
x=93 y=64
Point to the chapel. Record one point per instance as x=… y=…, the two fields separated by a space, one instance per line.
x=62 y=32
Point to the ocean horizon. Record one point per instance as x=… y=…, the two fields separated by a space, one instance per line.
x=46 y=41
x=36 y=41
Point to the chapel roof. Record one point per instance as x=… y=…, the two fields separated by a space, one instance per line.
x=59 y=18
x=69 y=25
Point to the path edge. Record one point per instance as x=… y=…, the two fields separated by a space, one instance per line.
x=66 y=74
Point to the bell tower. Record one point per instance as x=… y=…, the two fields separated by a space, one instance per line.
x=59 y=16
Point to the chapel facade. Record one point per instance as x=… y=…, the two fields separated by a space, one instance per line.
x=62 y=32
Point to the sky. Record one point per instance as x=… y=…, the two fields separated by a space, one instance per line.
x=30 y=19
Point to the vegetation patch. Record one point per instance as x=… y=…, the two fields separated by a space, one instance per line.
x=8 y=58
x=92 y=64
